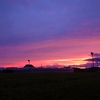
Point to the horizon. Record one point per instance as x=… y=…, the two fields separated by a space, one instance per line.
x=49 y=32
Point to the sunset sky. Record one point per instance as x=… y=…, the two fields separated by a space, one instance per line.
x=50 y=32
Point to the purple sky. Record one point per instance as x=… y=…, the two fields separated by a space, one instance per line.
x=48 y=31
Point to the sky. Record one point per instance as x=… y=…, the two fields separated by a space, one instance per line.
x=48 y=32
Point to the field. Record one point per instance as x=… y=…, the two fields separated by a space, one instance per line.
x=50 y=86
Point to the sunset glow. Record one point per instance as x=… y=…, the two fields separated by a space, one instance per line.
x=48 y=32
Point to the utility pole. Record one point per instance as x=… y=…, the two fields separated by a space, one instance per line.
x=97 y=63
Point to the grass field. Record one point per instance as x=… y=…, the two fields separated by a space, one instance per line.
x=50 y=86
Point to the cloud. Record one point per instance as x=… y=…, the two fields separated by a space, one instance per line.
x=47 y=19
x=73 y=28
x=97 y=54
x=95 y=59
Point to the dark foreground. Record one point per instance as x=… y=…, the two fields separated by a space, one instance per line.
x=50 y=86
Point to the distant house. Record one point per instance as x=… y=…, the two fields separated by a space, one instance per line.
x=29 y=66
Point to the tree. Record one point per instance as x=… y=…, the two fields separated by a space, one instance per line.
x=92 y=55
x=29 y=61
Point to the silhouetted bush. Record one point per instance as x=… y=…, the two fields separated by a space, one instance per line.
x=8 y=71
x=79 y=70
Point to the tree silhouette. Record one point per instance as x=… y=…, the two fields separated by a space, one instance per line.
x=29 y=61
x=92 y=55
